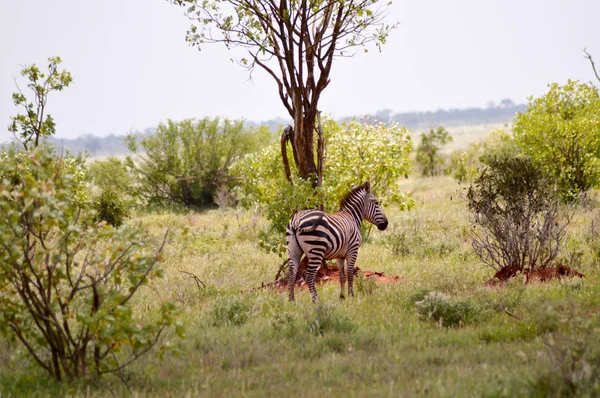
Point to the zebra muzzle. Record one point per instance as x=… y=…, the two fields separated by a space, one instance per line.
x=382 y=226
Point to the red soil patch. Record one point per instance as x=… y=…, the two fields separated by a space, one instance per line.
x=560 y=272
x=544 y=275
x=326 y=274
x=502 y=276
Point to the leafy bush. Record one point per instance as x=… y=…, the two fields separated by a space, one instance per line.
x=186 y=162
x=561 y=131
x=575 y=365
x=428 y=156
x=113 y=173
x=464 y=165
x=110 y=207
x=446 y=311
x=36 y=124
x=328 y=319
x=399 y=243
x=516 y=215
x=117 y=187
x=67 y=282
x=365 y=285
x=356 y=153
x=231 y=312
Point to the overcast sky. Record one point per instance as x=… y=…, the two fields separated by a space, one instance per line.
x=133 y=69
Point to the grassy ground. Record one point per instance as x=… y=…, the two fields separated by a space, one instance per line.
x=392 y=340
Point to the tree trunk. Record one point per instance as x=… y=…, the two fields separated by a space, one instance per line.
x=304 y=146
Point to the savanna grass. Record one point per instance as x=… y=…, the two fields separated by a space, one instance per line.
x=242 y=340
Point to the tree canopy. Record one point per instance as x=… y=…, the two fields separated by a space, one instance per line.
x=295 y=42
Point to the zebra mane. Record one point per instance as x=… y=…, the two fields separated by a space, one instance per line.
x=364 y=187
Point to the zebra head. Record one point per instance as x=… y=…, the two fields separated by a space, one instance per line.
x=371 y=210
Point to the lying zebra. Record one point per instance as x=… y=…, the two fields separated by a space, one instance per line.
x=322 y=236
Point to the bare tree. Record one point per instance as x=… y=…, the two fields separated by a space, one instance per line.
x=517 y=220
x=589 y=57
x=295 y=42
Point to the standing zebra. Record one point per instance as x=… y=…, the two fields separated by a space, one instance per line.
x=322 y=236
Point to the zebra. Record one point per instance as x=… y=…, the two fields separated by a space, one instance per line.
x=326 y=236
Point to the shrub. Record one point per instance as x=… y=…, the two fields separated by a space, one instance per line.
x=356 y=153
x=110 y=207
x=32 y=128
x=186 y=162
x=365 y=285
x=231 y=312
x=428 y=156
x=561 y=131
x=515 y=214
x=117 y=195
x=444 y=310
x=328 y=319
x=465 y=164
x=67 y=282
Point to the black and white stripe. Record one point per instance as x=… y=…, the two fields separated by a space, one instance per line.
x=327 y=236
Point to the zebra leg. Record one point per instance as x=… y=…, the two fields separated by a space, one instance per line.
x=350 y=260
x=314 y=262
x=340 y=262
x=293 y=264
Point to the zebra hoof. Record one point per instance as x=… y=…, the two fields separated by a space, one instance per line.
x=342 y=297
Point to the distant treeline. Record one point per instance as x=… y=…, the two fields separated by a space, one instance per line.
x=494 y=113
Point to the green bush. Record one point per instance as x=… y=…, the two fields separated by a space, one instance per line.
x=32 y=128
x=186 y=162
x=517 y=220
x=428 y=156
x=356 y=153
x=561 y=131
x=445 y=310
x=231 y=311
x=66 y=282
x=327 y=319
x=110 y=207
x=464 y=165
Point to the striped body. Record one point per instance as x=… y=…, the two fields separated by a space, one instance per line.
x=321 y=236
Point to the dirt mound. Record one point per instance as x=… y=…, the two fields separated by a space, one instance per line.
x=560 y=272
x=326 y=274
x=544 y=275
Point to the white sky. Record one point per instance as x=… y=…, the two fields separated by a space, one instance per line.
x=133 y=69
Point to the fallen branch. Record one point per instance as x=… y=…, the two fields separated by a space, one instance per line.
x=194 y=277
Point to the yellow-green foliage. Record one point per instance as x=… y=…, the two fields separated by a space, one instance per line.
x=355 y=152
x=561 y=130
x=66 y=281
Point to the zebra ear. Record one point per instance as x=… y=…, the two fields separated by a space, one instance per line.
x=367 y=186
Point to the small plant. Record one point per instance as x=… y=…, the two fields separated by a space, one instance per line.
x=36 y=124
x=231 y=311
x=398 y=243
x=111 y=208
x=326 y=319
x=428 y=156
x=365 y=285
x=444 y=310
x=284 y=324
x=574 y=366
x=515 y=214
